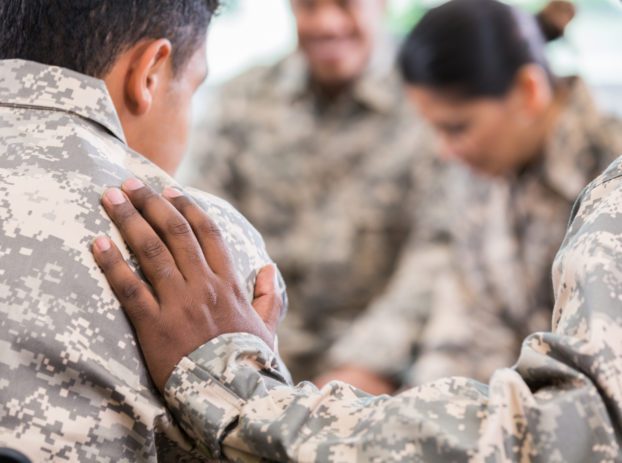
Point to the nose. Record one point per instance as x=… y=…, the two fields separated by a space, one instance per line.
x=330 y=20
x=450 y=150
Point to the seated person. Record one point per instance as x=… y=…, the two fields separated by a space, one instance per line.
x=84 y=88
x=325 y=136
x=521 y=144
x=561 y=402
x=323 y=153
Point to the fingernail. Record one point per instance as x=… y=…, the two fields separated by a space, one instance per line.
x=115 y=196
x=133 y=184
x=171 y=192
x=102 y=244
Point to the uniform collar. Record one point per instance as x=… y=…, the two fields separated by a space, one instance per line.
x=569 y=155
x=33 y=85
x=370 y=90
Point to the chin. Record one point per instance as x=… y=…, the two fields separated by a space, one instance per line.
x=335 y=77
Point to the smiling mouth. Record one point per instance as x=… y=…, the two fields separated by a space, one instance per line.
x=330 y=50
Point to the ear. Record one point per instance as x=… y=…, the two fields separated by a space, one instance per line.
x=534 y=89
x=149 y=66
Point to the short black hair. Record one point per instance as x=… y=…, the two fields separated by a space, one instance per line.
x=472 y=48
x=88 y=36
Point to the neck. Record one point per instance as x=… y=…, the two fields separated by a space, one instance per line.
x=545 y=124
x=330 y=92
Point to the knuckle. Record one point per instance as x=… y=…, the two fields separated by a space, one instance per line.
x=152 y=248
x=178 y=227
x=164 y=272
x=210 y=296
x=237 y=292
x=196 y=258
x=129 y=290
x=210 y=229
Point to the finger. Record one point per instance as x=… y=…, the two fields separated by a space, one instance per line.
x=132 y=292
x=154 y=258
x=207 y=232
x=266 y=298
x=172 y=226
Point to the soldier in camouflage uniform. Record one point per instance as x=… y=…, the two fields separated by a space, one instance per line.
x=486 y=270
x=327 y=170
x=73 y=384
x=561 y=402
x=317 y=151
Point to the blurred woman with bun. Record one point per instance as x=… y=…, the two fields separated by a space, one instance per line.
x=521 y=144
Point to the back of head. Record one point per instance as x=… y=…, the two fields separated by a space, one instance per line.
x=472 y=48
x=88 y=35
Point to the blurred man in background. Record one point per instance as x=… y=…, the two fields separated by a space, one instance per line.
x=324 y=156
x=318 y=152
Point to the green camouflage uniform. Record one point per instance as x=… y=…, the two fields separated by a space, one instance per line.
x=73 y=385
x=466 y=295
x=326 y=183
x=560 y=403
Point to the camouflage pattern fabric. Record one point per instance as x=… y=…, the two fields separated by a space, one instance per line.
x=466 y=294
x=561 y=402
x=327 y=183
x=73 y=386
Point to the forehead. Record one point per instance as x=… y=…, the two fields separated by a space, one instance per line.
x=439 y=105
x=352 y=4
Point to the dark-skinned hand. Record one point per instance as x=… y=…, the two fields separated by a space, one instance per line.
x=194 y=295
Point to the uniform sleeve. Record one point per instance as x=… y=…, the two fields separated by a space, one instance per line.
x=561 y=402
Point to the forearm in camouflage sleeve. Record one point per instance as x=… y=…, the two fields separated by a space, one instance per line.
x=229 y=406
x=560 y=403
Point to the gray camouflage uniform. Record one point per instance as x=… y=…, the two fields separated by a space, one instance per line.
x=73 y=385
x=560 y=403
x=327 y=184
x=466 y=294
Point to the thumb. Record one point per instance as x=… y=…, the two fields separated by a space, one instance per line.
x=266 y=300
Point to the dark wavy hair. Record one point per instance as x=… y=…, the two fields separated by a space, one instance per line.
x=87 y=36
x=472 y=48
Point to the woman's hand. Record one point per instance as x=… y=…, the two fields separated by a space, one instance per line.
x=194 y=295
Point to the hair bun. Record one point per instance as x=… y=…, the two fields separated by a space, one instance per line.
x=555 y=17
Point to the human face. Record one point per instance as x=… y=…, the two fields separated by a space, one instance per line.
x=162 y=134
x=487 y=134
x=337 y=37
